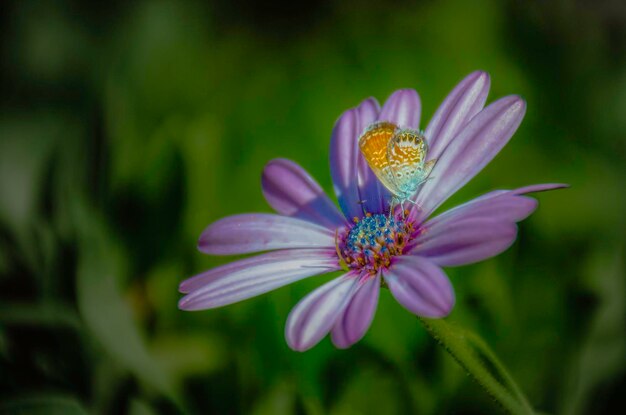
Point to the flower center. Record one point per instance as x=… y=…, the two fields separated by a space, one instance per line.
x=373 y=241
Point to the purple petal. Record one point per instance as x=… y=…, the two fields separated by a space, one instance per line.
x=501 y=205
x=254 y=232
x=534 y=188
x=465 y=101
x=291 y=191
x=367 y=112
x=402 y=108
x=344 y=155
x=314 y=316
x=250 y=277
x=470 y=151
x=358 y=315
x=421 y=287
x=461 y=242
x=504 y=207
x=374 y=196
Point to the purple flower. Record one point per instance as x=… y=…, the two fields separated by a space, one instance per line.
x=404 y=251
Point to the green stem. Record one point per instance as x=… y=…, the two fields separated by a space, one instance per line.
x=466 y=348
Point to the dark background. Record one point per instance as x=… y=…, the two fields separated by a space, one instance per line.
x=127 y=127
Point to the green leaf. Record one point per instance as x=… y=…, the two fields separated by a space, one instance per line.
x=480 y=362
x=105 y=312
x=42 y=404
x=600 y=357
x=182 y=354
x=111 y=322
x=52 y=314
x=139 y=407
x=386 y=398
x=280 y=399
x=26 y=145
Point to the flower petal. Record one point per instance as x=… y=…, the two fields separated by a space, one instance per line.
x=535 y=188
x=465 y=101
x=250 y=277
x=476 y=230
x=465 y=241
x=314 y=316
x=291 y=191
x=403 y=108
x=373 y=195
x=344 y=155
x=470 y=151
x=358 y=315
x=254 y=232
x=421 y=287
x=502 y=205
x=505 y=207
x=367 y=112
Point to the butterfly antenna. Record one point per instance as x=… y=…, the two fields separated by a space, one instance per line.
x=362 y=203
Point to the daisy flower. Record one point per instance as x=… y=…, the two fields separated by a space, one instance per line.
x=403 y=250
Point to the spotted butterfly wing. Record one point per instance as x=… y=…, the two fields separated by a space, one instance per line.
x=374 y=145
x=406 y=155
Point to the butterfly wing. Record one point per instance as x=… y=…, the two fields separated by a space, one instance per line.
x=406 y=155
x=374 y=144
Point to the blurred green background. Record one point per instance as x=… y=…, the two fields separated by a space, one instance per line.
x=127 y=127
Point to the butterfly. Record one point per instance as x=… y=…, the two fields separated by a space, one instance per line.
x=397 y=157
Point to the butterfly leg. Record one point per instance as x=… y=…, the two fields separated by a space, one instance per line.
x=392 y=206
x=414 y=203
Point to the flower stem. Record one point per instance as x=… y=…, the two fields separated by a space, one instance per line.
x=479 y=361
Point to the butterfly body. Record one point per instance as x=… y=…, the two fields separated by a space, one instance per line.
x=397 y=157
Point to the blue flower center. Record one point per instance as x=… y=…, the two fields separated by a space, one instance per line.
x=373 y=241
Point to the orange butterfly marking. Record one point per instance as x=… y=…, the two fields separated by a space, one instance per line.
x=397 y=157
x=374 y=144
